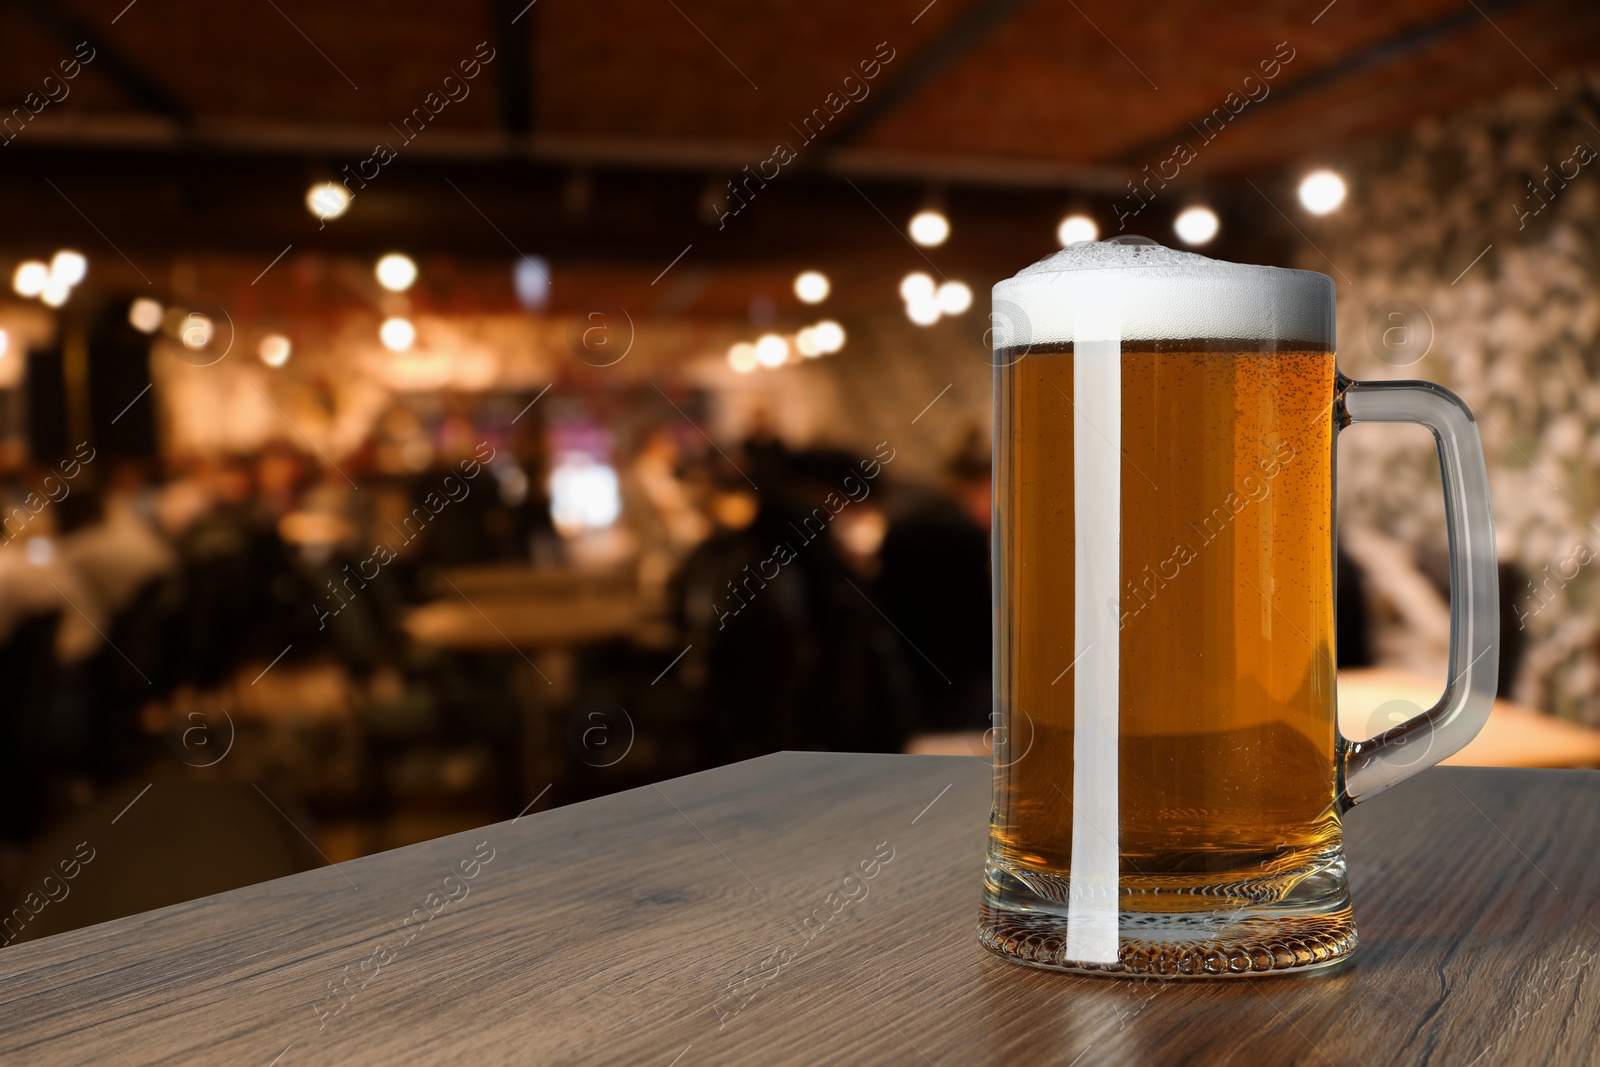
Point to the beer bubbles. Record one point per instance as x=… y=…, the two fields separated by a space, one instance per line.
x=1196 y=225
x=812 y=287
x=930 y=228
x=1321 y=192
x=1075 y=228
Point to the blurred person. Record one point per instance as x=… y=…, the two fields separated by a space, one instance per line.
x=794 y=654
x=935 y=585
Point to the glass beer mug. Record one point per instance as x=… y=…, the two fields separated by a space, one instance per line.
x=1169 y=774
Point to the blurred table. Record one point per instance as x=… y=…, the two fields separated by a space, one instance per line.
x=539 y=615
x=1514 y=736
x=523 y=623
x=703 y=922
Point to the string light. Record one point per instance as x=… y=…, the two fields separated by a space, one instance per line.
x=742 y=357
x=771 y=350
x=1196 y=225
x=1075 y=228
x=930 y=228
x=812 y=287
x=30 y=278
x=144 y=315
x=327 y=200
x=397 y=334
x=274 y=350
x=396 y=272
x=1321 y=192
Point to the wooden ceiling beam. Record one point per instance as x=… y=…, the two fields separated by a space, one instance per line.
x=970 y=29
x=1385 y=52
x=133 y=82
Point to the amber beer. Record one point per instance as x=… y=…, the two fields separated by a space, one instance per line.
x=1217 y=635
x=1169 y=776
x=1226 y=599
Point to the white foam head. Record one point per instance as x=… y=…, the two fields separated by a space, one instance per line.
x=1133 y=289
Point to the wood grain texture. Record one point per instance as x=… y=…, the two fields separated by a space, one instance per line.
x=619 y=931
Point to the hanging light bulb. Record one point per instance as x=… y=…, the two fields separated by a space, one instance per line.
x=274 y=350
x=930 y=228
x=742 y=357
x=812 y=287
x=397 y=334
x=953 y=297
x=30 y=278
x=396 y=272
x=771 y=350
x=1322 y=192
x=1075 y=228
x=327 y=200
x=1196 y=225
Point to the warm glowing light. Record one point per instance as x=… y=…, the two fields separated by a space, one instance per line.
x=953 y=297
x=805 y=342
x=1075 y=228
x=196 y=331
x=812 y=287
x=5 y=343
x=829 y=335
x=68 y=266
x=397 y=334
x=327 y=200
x=30 y=278
x=742 y=357
x=771 y=350
x=583 y=494
x=916 y=286
x=1196 y=225
x=929 y=228
x=144 y=315
x=1322 y=191
x=396 y=272
x=274 y=350
x=923 y=311
x=55 y=292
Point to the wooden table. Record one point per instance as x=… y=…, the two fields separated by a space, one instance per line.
x=668 y=926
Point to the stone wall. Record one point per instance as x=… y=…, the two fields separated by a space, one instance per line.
x=1481 y=232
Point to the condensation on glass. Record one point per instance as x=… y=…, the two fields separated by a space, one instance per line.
x=1169 y=775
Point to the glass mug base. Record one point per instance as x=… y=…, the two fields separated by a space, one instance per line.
x=1290 y=923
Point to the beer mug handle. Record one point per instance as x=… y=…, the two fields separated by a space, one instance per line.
x=1374 y=764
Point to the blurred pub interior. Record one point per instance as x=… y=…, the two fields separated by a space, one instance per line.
x=402 y=405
